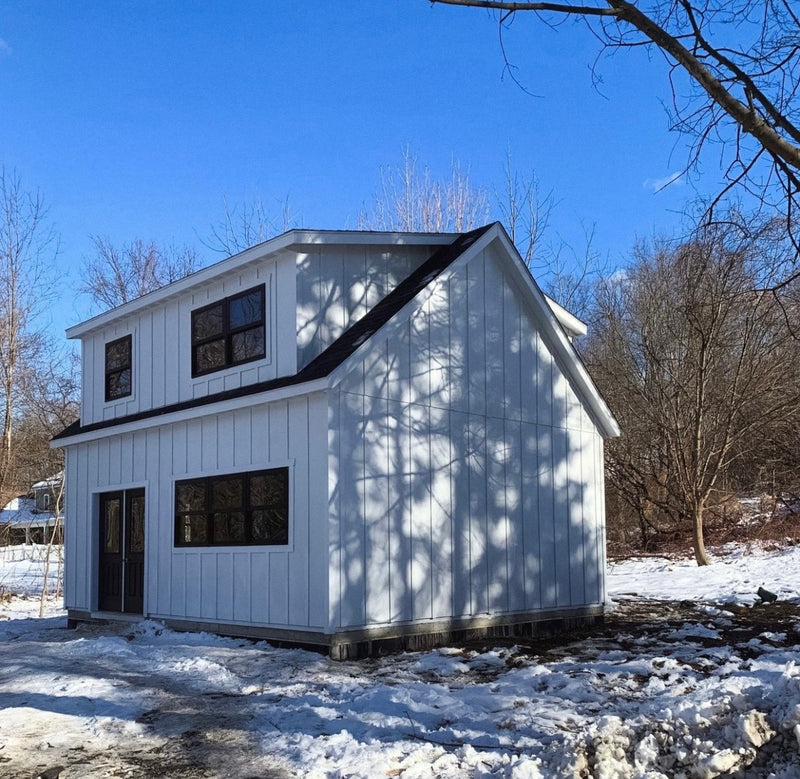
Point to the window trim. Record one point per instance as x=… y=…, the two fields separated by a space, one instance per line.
x=208 y=512
x=228 y=332
x=118 y=371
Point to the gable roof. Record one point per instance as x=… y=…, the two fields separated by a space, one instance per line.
x=341 y=355
x=555 y=323
x=321 y=366
x=292 y=239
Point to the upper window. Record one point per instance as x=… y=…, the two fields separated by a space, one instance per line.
x=228 y=332
x=118 y=368
x=236 y=509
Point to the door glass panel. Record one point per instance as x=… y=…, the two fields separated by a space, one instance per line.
x=136 y=524
x=112 y=519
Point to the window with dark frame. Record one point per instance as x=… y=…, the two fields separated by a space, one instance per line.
x=238 y=509
x=229 y=332
x=119 y=382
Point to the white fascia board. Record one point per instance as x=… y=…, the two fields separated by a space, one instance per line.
x=291 y=240
x=203 y=276
x=574 y=326
x=202 y=410
x=368 y=238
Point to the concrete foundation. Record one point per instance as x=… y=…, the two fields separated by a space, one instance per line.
x=371 y=642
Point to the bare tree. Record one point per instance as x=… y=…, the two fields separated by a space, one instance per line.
x=411 y=199
x=691 y=352
x=28 y=248
x=48 y=402
x=741 y=56
x=246 y=224
x=524 y=209
x=116 y=275
x=570 y=275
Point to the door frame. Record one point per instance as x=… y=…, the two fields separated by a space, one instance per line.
x=125 y=492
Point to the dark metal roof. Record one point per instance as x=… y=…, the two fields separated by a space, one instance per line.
x=322 y=365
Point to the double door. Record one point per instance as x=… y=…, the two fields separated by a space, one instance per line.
x=120 y=585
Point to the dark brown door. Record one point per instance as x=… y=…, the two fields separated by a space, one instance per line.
x=120 y=585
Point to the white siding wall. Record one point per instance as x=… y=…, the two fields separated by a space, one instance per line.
x=162 y=345
x=469 y=476
x=277 y=588
x=337 y=285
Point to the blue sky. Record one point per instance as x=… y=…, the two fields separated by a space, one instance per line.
x=136 y=119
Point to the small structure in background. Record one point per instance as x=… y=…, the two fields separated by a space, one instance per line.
x=36 y=517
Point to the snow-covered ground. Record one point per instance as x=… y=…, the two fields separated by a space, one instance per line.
x=691 y=677
x=23 y=570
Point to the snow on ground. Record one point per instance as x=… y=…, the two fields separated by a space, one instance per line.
x=734 y=577
x=691 y=677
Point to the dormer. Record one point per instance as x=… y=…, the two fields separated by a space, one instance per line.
x=262 y=314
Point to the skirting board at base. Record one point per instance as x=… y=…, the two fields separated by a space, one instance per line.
x=368 y=642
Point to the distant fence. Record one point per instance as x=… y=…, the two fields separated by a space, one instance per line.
x=22 y=570
x=34 y=552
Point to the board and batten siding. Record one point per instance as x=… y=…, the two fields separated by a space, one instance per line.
x=337 y=285
x=466 y=478
x=282 y=587
x=161 y=345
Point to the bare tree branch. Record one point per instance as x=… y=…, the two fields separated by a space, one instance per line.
x=247 y=224
x=743 y=58
x=410 y=199
x=116 y=275
x=28 y=248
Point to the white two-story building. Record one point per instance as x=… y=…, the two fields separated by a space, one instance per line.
x=338 y=438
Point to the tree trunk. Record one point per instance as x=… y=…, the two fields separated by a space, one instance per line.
x=8 y=419
x=699 y=545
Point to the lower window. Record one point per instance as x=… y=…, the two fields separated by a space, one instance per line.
x=240 y=509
